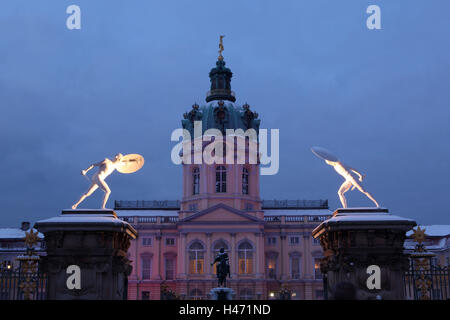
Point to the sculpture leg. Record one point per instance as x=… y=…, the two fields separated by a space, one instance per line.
x=107 y=191
x=368 y=195
x=343 y=189
x=92 y=188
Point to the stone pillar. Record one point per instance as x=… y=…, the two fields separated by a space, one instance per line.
x=97 y=242
x=233 y=256
x=156 y=263
x=259 y=255
x=356 y=238
x=181 y=257
x=283 y=265
x=208 y=255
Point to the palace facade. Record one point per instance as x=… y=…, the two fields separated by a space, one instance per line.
x=269 y=242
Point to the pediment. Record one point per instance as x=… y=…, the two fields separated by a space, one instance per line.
x=221 y=213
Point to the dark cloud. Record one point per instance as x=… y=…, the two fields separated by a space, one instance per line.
x=310 y=68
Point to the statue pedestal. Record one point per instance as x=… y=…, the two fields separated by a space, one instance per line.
x=221 y=293
x=97 y=242
x=356 y=238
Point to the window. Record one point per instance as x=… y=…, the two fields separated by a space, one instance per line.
x=196 y=258
x=246 y=294
x=145 y=295
x=193 y=207
x=295 y=266
x=294 y=240
x=317 y=218
x=170 y=241
x=271 y=262
x=146 y=267
x=170 y=268
x=317 y=273
x=6 y=265
x=245 y=258
x=245 y=181
x=248 y=207
x=319 y=294
x=146 y=241
x=271 y=241
x=196 y=181
x=221 y=179
x=315 y=241
x=196 y=294
x=216 y=248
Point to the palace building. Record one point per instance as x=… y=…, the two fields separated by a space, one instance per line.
x=269 y=242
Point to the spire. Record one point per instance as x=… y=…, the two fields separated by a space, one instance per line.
x=220 y=80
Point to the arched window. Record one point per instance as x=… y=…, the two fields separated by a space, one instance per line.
x=245 y=181
x=196 y=181
x=146 y=264
x=196 y=258
x=245 y=257
x=196 y=294
x=221 y=179
x=216 y=248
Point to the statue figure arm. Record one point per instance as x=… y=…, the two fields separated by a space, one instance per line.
x=360 y=176
x=83 y=172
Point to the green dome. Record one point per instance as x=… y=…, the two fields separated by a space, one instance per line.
x=221 y=115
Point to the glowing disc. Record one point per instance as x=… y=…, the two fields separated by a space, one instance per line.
x=130 y=163
x=324 y=154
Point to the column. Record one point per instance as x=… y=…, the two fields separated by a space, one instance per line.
x=259 y=255
x=156 y=263
x=283 y=264
x=181 y=257
x=208 y=269
x=233 y=255
x=307 y=259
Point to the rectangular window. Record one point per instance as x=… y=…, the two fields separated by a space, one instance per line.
x=245 y=266
x=196 y=266
x=145 y=295
x=294 y=240
x=295 y=267
x=315 y=241
x=170 y=268
x=271 y=241
x=146 y=268
x=319 y=294
x=170 y=241
x=317 y=273
x=271 y=268
x=146 y=241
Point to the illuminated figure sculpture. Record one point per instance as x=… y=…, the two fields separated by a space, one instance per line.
x=345 y=171
x=124 y=164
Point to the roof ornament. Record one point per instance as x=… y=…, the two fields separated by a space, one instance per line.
x=221 y=48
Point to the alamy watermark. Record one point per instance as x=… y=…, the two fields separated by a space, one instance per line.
x=209 y=147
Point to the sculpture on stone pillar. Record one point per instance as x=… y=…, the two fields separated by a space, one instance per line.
x=346 y=172
x=124 y=164
x=223 y=268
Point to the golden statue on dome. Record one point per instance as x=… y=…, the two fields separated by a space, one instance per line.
x=221 y=48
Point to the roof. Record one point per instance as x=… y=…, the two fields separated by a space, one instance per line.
x=15 y=233
x=146 y=213
x=298 y=212
x=176 y=204
x=271 y=212
x=441 y=230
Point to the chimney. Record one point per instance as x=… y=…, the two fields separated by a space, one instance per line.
x=25 y=225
